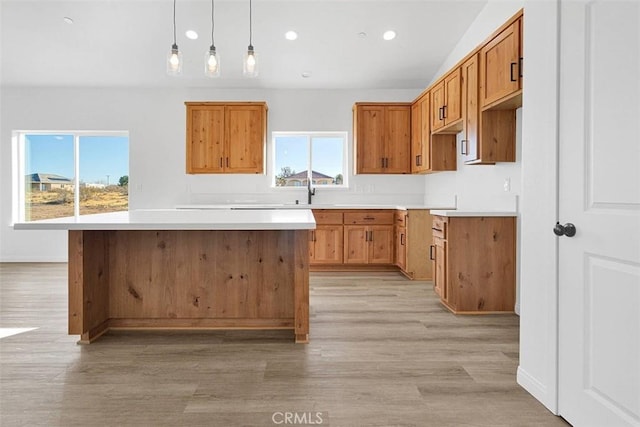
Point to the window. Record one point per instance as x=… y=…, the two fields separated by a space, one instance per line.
x=63 y=174
x=316 y=156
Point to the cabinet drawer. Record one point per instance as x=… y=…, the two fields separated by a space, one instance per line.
x=439 y=227
x=323 y=216
x=400 y=218
x=369 y=217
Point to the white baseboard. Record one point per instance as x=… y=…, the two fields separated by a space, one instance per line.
x=537 y=390
x=517 y=308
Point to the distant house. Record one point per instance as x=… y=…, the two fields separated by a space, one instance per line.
x=47 y=181
x=300 y=179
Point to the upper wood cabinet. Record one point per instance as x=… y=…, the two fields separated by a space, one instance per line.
x=382 y=141
x=226 y=137
x=446 y=105
x=501 y=66
x=489 y=135
x=420 y=135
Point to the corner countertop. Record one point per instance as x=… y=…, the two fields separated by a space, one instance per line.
x=463 y=213
x=177 y=219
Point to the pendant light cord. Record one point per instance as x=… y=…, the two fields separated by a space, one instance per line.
x=212 y=24
x=174 y=22
x=250 y=24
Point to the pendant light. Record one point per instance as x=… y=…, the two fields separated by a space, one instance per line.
x=174 y=57
x=250 y=65
x=211 y=59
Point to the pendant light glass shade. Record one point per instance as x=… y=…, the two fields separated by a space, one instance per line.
x=211 y=59
x=174 y=61
x=211 y=63
x=174 y=57
x=250 y=63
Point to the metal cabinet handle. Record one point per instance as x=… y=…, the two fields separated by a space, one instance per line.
x=220 y=161
x=431 y=257
x=444 y=111
x=463 y=147
x=520 y=67
x=227 y=162
x=419 y=160
x=402 y=239
x=511 y=76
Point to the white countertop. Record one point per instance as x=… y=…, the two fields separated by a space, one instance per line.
x=176 y=219
x=289 y=206
x=462 y=213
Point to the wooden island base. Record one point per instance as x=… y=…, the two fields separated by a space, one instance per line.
x=188 y=279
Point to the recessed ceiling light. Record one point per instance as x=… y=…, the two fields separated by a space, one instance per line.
x=306 y=74
x=291 y=35
x=389 y=35
x=192 y=35
x=362 y=34
x=68 y=20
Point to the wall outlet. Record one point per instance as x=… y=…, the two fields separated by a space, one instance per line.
x=507 y=184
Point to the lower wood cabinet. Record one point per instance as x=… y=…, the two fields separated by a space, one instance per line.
x=475 y=263
x=412 y=237
x=368 y=244
x=325 y=245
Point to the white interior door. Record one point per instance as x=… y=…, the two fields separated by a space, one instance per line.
x=599 y=268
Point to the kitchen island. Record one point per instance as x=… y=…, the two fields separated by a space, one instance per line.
x=187 y=269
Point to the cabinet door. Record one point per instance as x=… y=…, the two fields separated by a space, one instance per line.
x=370 y=138
x=469 y=144
x=356 y=244
x=416 y=137
x=244 y=145
x=437 y=104
x=500 y=65
x=398 y=143
x=425 y=133
x=440 y=271
x=400 y=247
x=381 y=244
x=205 y=139
x=327 y=244
x=453 y=104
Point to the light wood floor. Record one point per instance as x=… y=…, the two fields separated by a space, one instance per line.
x=383 y=352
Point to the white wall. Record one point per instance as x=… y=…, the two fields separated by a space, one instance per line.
x=155 y=119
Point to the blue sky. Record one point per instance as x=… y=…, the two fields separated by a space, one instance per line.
x=99 y=156
x=293 y=151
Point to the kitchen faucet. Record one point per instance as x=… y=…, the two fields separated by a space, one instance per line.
x=310 y=192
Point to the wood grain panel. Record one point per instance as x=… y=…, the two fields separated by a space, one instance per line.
x=418 y=240
x=244 y=145
x=355 y=244
x=481 y=254
x=497 y=79
x=369 y=217
x=327 y=216
x=300 y=278
x=369 y=123
x=381 y=244
x=453 y=105
x=443 y=152
x=498 y=136
x=202 y=274
x=205 y=139
x=398 y=147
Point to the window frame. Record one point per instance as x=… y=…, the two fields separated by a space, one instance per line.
x=310 y=135
x=18 y=165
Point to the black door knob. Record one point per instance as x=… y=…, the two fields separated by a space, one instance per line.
x=568 y=229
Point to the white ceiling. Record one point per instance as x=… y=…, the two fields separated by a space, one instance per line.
x=124 y=43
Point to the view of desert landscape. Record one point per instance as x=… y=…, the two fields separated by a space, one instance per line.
x=58 y=203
